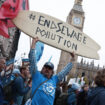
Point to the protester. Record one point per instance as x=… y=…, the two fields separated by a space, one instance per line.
x=7 y=80
x=57 y=93
x=82 y=96
x=73 y=92
x=19 y=88
x=97 y=95
x=45 y=94
x=28 y=94
x=61 y=99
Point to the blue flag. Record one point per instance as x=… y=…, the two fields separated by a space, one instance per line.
x=39 y=50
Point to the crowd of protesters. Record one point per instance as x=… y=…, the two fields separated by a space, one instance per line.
x=26 y=85
x=13 y=82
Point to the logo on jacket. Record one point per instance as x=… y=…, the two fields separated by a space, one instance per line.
x=49 y=89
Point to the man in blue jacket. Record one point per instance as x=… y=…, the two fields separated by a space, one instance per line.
x=18 y=88
x=45 y=94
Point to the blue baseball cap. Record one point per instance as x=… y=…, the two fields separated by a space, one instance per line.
x=49 y=64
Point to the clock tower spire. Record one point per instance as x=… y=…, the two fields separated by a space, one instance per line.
x=76 y=16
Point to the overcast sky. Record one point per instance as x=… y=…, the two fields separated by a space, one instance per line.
x=93 y=26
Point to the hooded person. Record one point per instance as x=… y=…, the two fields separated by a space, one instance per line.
x=96 y=96
x=73 y=91
x=82 y=96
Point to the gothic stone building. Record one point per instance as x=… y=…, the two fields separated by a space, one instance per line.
x=89 y=70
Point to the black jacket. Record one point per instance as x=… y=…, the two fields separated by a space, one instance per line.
x=82 y=98
x=96 y=96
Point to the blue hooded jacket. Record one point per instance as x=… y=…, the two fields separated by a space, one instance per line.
x=72 y=97
x=45 y=94
x=96 y=96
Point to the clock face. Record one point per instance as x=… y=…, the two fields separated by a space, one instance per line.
x=77 y=20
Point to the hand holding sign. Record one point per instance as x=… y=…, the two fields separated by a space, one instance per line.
x=73 y=56
x=34 y=40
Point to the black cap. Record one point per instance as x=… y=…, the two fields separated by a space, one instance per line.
x=49 y=64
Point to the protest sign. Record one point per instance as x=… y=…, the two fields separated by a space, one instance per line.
x=56 y=33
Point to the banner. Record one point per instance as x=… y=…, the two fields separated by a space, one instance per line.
x=9 y=10
x=56 y=33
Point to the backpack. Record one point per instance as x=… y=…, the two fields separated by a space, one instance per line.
x=7 y=87
x=62 y=99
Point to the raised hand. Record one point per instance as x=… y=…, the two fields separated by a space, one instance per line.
x=34 y=42
x=73 y=57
